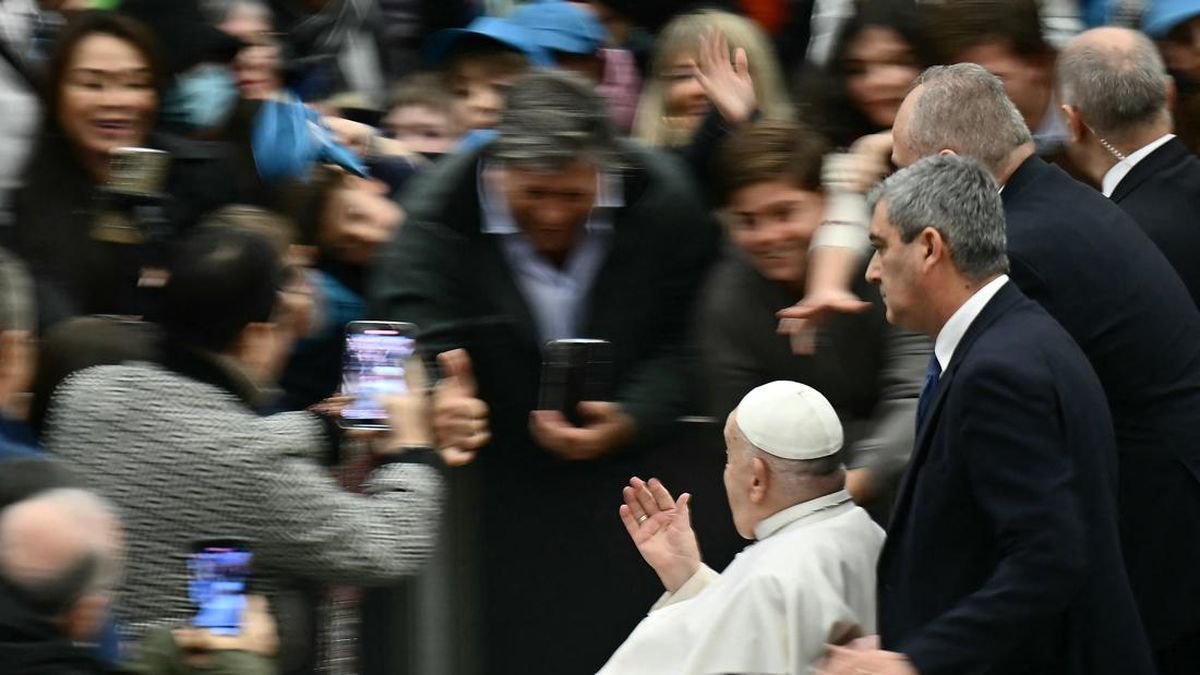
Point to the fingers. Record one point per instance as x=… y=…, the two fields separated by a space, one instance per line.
x=741 y=63
x=684 y=509
x=458 y=374
x=644 y=498
x=630 y=521
x=662 y=498
x=629 y=494
x=598 y=411
x=415 y=376
x=454 y=456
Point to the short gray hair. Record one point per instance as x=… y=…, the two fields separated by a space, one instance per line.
x=1116 y=88
x=17 y=310
x=95 y=567
x=956 y=196
x=964 y=108
x=553 y=119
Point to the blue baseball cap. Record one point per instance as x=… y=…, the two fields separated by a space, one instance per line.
x=559 y=26
x=519 y=38
x=1162 y=16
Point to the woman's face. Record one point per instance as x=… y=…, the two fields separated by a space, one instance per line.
x=107 y=98
x=880 y=68
x=686 y=102
x=257 y=67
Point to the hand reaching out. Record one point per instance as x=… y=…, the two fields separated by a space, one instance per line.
x=727 y=84
x=661 y=528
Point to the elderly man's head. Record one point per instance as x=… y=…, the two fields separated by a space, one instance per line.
x=783 y=445
x=1115 y=91
x=960 y=109
x=938 y=232
x=555 y=139
x=60 y=558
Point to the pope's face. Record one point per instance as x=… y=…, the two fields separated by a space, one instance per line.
x=739 y=476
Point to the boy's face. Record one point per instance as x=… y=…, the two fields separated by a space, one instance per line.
x=423 y=129
x=479 y=92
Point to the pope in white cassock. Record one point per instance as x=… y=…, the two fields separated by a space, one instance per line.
x=809 y=578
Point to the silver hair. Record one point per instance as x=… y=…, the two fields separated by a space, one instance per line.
x=1116 y=88
x=96 y=569
x=552 y=119
x=956 y=196
x=17 y=307
x=964 y=108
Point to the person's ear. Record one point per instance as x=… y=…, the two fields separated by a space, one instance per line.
x=760 y=478
x=1074 y=122
x=255 y=348
x=932 y=248
x=947 y=152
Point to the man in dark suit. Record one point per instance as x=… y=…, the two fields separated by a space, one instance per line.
x=1003 y=554
x=555 y=230
x=1124 y=142
x=1088 y=265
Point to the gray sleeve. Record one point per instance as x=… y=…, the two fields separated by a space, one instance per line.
x=314 y=529
x=887 y=444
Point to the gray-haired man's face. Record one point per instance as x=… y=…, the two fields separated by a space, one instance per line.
x=551 y=208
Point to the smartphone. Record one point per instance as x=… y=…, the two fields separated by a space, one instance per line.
x=574 y=371
x=218 y=581
x=138 y=172
x=373 y=368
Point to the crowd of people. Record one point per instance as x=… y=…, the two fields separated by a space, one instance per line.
x=927 y=271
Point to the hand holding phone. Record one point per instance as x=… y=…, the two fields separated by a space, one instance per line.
x=219 y=579
x=379 y=358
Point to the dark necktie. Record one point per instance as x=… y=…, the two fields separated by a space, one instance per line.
x=933 y=373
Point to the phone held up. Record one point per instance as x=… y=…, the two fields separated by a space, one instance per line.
x=376 y=357
x=218 y=583
x=574 y=371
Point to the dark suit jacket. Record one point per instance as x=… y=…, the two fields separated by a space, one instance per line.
x=1162 y=194
x=1003 y=555
x=546 y=523
x=1079 y=256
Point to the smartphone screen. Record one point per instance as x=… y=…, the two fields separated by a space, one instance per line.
x=376 y=356
x=219 y=577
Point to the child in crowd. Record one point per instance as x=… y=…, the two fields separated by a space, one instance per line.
x=422 y=115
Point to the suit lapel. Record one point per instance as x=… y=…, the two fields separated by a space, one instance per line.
x=1004 y=299
x=1171 y=152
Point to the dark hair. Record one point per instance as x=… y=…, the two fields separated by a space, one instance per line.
x=222 y=279
x=837 y=114
x=499 y=57
x=959 y=25
x=422 y=89
x=552 y=119
x=99 y=22
x=767 y=151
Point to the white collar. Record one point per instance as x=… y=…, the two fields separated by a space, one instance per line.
x=781 y=519
x=1122 y=168
x=954 y=330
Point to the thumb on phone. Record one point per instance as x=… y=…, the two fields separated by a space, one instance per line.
x=458 y=376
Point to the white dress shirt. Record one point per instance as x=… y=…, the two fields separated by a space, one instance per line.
x=954 y=330
x=1122 y=168
x=811 y=574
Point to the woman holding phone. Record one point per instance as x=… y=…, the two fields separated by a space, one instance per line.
x=103 y=193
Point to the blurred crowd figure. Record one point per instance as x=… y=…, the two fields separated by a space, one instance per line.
x=923 y=275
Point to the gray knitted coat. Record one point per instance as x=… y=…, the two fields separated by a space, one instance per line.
x=183 y=460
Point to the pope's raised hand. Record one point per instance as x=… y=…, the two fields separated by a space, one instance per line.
x=661 y=528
